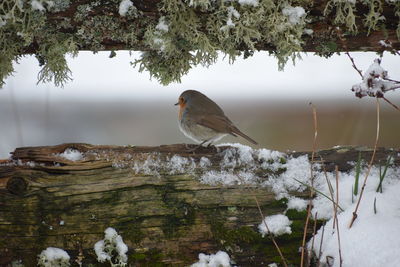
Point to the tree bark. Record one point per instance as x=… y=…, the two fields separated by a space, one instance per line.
x=165 y=217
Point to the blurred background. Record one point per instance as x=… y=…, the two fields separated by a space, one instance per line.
x=109 y=102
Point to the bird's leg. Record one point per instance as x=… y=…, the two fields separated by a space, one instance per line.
x=198 y=146
x=210 y=145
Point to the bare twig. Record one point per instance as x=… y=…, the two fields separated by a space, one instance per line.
x=312 y=184
x=336 y=217
x=369 y=165
x=393 y=105
x=331 y=192
x=343 y=41
x=269 y=233
x=390 y=80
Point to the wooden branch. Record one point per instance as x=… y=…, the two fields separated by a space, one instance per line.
x=322 y=26
x=165 y=217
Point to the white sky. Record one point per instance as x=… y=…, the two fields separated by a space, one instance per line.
x=97 y=77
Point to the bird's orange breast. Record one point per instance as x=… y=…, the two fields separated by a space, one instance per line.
x=181 y=109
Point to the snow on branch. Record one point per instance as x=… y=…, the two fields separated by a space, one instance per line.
x=375 y=82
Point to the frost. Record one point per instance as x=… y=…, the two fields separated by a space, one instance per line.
x=124 y=7
x=71 y=154
x=239 y=164
x=53 y=257
x=178 y=164
x=112 y=248
x=220 y=259
x=294 y=14
x=228 y=178
x=278 y=224
x=204 y=162
x=253 y=3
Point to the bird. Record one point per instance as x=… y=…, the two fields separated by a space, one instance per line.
x=203 y=121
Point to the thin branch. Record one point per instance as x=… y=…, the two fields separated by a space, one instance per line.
x=343 y=41
x=393 y=105
x=391 y=80
x=369 y=165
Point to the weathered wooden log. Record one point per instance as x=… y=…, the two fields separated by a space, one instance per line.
x=152 y=196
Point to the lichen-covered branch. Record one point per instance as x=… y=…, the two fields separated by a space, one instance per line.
x=178 y=34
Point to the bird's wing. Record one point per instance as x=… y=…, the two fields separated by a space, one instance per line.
x=221 y=124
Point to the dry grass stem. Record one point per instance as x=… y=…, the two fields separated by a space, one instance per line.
x=369 y=165
x=314 y=231
x=269 y=233
x=303 y=245
x=320 y=246
x=336 y=217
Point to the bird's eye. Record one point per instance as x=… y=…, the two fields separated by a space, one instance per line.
x=181 y=100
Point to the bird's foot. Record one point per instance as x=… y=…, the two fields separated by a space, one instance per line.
x=211 y=146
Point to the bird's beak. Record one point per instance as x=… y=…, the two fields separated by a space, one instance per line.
x=176 y=104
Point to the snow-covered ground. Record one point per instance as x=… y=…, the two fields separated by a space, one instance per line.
x=372 y=241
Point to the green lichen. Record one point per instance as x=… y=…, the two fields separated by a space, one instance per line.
x=374 y=16
x=326 y=49
x=52 y=57
x=152 y=257
x=192 y=39
x=344 y=13
x=397 y=13
x=21 y=25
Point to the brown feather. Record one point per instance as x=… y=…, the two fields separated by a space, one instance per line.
x=221 y=124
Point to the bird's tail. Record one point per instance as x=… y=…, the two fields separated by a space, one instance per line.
x=238 y=132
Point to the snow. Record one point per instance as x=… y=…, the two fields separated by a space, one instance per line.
x=2 y=22
x=373 y=239
x=232 y=12
x=297 y=203
x=220 y=259
x=278 y=224
x=253 y=3
x=383 y=43
x=371 y=232
x=308 y=31
x=162 y=25
x=111 y=245
x=124 y=7
x=296 y=169
x=294 y=14
x=204 y=163
x=71 y=154
x=36 y=5
x=53 y=257
x=373 y=82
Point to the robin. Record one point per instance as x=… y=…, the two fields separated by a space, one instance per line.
x=203 y=121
